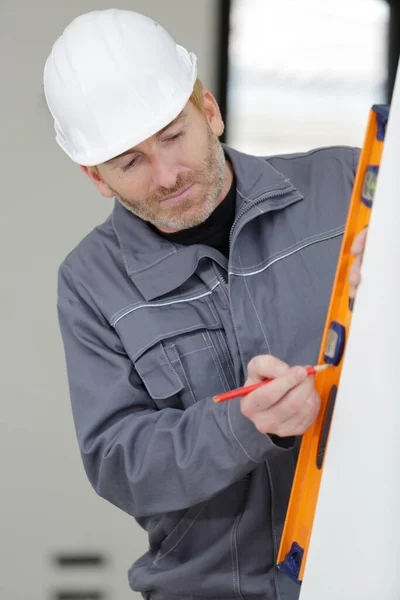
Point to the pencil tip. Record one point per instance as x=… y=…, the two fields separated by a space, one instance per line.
x=320 y=368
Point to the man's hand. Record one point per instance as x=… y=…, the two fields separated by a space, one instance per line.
x=355 y=270
x=286 y=406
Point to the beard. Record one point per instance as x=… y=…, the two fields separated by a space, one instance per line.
x=193 y=210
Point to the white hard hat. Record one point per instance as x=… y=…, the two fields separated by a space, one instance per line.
x=113 y=79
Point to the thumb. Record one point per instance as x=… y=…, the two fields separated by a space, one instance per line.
x=265 y=366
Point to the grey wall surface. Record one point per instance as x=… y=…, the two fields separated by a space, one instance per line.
x=47 y=206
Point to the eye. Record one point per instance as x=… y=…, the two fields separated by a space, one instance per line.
x=174 y=137
x=131 y=163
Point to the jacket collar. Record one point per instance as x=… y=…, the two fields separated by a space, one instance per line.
x=255 y=177
x=158 y=266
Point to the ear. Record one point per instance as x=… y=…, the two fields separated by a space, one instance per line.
x=213 y=113
x=94 y=174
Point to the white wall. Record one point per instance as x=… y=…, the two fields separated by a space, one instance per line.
x=355 y=541
x=47 y=206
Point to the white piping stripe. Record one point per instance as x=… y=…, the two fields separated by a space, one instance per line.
x=286 y=255
x=113 y=323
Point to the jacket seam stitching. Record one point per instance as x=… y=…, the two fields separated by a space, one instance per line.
x=175 y=251
x=306 y=154
x=233 y=433
x=186 y=378
x=188 y=353
x=172 y=298
x=226 y=354
x=114 y=321
x=312 y=238
x=268 y=188
x=264 y=192
x=212 y=308
x=141 y=269
x=156 y=560
x=255 y=310
x=129 y=306
x=137 y=354
x=219 y=370
x=235 y=558
x=176 y=390
x=247 y=274
x=274 y=538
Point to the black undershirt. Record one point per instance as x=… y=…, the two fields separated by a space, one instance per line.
x=214 y=231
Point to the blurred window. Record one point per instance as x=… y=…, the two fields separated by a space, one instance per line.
x=304 y=73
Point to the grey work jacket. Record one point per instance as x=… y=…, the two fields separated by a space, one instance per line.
x=152 y=330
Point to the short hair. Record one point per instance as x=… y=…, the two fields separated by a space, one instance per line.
x=197 y=97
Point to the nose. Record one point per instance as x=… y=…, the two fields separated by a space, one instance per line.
x=164 y=174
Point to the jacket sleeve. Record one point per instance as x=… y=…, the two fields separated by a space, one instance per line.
x=145 y=460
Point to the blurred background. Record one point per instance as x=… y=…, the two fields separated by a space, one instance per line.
x=290 y=75
x=304 y=73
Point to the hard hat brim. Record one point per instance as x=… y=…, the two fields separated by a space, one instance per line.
x=101 y=156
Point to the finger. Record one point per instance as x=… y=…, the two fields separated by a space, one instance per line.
x=265 y=366
x=353 y=291
x=359 y=242
x=302 y=421
x=292 y=416
x=355 y=272
x=355 y=276
x=293 y=405
x=266 y=396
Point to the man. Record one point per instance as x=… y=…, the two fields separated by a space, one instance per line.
x=214 y=270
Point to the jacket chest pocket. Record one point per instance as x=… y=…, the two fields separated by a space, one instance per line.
x=180 y=351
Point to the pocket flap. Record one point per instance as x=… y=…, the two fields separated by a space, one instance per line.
x=158 y=374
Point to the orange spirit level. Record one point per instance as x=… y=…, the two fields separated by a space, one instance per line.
x=296 y=535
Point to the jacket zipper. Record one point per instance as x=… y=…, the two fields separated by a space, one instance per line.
x=274 y=194
x=221 y=278
x=240 y=214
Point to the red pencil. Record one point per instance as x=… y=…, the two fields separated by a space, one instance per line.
x=246 y=390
